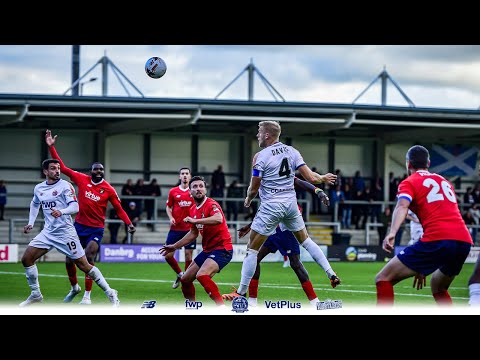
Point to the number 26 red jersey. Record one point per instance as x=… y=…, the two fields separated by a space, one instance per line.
x=433 y=199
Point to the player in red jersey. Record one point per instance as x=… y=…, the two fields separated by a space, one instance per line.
x=94 y=193
x=179 y=202
x=445 y=243
x=207 y=218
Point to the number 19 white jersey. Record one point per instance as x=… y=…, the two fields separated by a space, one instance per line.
x=55 y=196
x=276 y=165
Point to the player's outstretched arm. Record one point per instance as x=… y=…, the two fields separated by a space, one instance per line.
x=305 y=185
x=254 y=186
x=53 y=152
x=244 y=230
x=187 y=239
x=32 y=216
x=252 y=190
x=316 y=178
x=49 y=139
x=117 y=205
x=398 y=217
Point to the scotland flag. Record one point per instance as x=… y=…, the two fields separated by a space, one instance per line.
x=453 y=160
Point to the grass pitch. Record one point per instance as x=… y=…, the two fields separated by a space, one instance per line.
x=138 y=282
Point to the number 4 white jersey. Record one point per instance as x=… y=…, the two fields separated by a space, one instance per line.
x=55 y=196
x=276 y=166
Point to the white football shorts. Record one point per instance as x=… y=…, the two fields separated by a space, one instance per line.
x=68 y=243
x=270 y=214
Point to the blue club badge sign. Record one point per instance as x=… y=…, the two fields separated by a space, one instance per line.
x=240 y=304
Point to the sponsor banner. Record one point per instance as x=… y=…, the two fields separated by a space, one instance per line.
x=132 y=253
x=8 y=253
x=357 y=253
x=473 y=255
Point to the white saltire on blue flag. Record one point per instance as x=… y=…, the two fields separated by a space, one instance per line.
x=453 y=160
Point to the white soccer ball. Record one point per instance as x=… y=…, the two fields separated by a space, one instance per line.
x=155 y=67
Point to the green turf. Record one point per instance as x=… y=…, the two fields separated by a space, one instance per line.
x=137 y=282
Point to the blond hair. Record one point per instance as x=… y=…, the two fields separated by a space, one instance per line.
x=271 y=127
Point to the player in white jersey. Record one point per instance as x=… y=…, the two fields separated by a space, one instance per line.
x=273 y=178
x=416 y=229
x=58 y=201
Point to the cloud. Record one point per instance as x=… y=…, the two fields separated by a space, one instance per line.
x=431 y=75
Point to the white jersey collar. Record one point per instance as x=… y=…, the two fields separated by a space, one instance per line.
x=96 y=183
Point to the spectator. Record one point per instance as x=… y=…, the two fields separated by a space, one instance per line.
x=234 y=191
x=469 y=220
x=3 y=198
x=152 y=189
x=127 y=190
x=392 y=189
x=218 y=183
x=377 y=191
x=367 y=209
x=337 y=197
x=134 y=215
x=346 y=208
x=468 y=196
x=139 y=190
x=476 y=194
x=357 y=209
x=358 y=182
x=113 y=227
x=476 y=218
x=339 y=180
x=385 y=219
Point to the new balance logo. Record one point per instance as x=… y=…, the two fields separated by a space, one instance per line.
x=149 y=304
x=193 y=305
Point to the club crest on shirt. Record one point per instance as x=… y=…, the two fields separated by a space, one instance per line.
x=54 y=193
x=102 y=190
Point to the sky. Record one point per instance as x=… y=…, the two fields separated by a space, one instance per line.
x=439 y=76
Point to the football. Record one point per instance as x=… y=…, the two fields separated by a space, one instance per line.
x=155 y=67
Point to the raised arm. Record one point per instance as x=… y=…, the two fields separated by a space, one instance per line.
x=254 y=186
x=115 y=201
x=316 y=178
x=305 y=185
x=51 y=142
